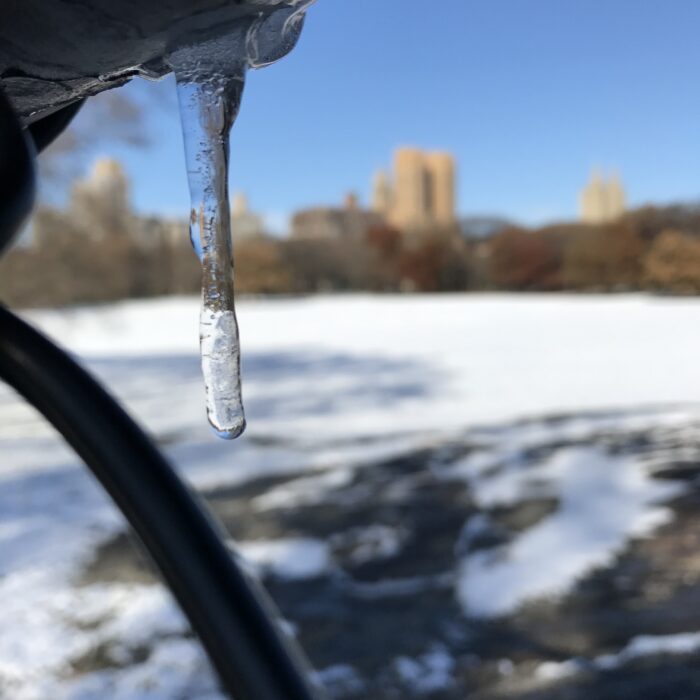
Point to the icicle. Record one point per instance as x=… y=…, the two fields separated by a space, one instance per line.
x=209 y=103
x=210 y=79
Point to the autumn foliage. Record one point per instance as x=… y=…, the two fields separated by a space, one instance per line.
x=525 y=261
x=673 y=263
x=604 y=258
x=648 y=249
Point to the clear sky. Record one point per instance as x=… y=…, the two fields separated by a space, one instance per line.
x=529 y=95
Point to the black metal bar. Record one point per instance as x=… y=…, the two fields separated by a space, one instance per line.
x=228 y=610
x=17 y=177
x=230 y=613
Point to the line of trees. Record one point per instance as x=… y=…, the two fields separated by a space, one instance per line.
x=649 y=249
x=73 y=261
x=656 y=249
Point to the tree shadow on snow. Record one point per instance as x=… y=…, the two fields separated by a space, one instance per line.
x=284 y=383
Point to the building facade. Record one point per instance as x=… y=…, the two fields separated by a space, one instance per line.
x=100 y=201
x=602 y=200
x=334 y=223
x=422 y=193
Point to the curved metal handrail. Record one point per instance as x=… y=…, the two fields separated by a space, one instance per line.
x=229 y=611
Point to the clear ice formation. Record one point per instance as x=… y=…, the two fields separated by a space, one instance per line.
x=210 y=78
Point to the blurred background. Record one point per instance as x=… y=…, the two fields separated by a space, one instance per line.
x=467 y=259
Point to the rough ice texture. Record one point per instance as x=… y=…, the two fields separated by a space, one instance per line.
x=220 y=351
x=210 y=78
x=209 y=104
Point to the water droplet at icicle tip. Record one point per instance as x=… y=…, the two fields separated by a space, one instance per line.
x=210 y=79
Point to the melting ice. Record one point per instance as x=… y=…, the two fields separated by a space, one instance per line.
x=210 y=78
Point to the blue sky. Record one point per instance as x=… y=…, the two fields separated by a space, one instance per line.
x=529 y=96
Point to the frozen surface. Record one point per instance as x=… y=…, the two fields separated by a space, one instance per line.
x=602 y=500
x=430 y=672
x=292 y=558
x=637 y=648
x=437 y=362
x=334 y=386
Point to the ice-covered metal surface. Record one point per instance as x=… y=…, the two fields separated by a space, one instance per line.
x=53 y=52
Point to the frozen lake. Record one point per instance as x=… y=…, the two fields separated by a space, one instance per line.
x=515 y=400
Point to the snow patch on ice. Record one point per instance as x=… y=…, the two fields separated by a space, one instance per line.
x=340 y=679
x=304 y=491
x=638 y=647
x=603 y=500
x=370 y=543
x=292 y=558
x=177 y=668
x=552 y=671
x=651 y=645
x=428 y=673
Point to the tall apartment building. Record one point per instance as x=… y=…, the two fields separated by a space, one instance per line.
x=602 y=200
x=422 y=194
x=100 y=202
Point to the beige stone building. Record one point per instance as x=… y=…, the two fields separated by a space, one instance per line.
x=100 y=208
x=602 y=200
x=100 y=201
x=334 y=223
x=422 y=194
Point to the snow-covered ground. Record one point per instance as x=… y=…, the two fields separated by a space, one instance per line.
x=364 y=365
x=332 y=386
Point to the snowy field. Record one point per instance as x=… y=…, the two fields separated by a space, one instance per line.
x=540 y=424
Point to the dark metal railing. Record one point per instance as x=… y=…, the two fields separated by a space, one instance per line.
x=230 y=613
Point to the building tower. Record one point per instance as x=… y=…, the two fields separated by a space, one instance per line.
x=239 y=205
x=441 y=170
x=602 y=201
x=423 y=193
x=100 y=202
x=616 y=197
x=592 y=200
x=107 y=182
x=411 y=190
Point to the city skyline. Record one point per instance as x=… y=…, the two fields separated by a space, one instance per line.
x=603 y=199
x=527 y=114
x=416 y=196
x=419 y=192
